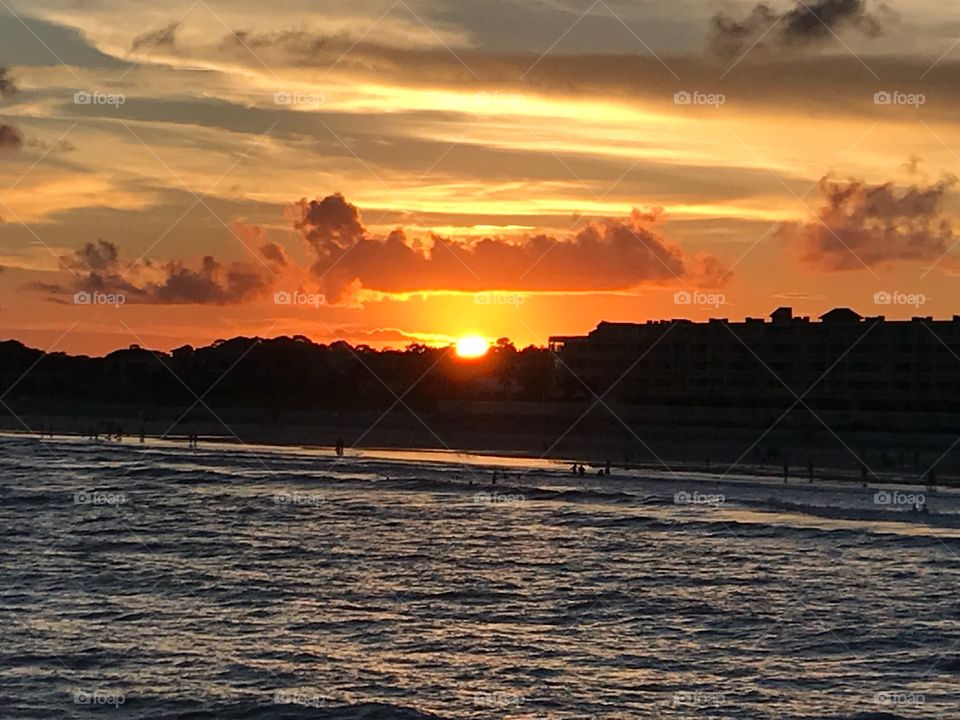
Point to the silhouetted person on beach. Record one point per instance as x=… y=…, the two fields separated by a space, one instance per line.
x=339 y=448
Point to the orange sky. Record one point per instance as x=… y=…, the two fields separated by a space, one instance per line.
x=403 y=172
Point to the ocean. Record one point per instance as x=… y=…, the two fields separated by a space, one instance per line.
x=157 y=581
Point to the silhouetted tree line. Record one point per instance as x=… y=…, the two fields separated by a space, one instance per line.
x=285 y=373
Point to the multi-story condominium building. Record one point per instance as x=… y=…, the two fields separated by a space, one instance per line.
x=845 y=362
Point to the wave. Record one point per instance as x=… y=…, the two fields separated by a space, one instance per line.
x=259 y=711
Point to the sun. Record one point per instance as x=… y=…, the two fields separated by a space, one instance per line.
x=472 y=346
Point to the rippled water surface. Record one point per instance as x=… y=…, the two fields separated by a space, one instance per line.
x=153 y=581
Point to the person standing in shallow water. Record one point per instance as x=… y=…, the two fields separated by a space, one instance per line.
x=339 y=448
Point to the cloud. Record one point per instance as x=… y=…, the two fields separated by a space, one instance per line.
x=98 y=267
x=835 y=81
x=10 y=138
x=275 y=254
x=7 y=85
x=612 y=255
x=164 y=38
x=60 y=146
x=213 y=283
x=862 y=224
x=803 y=25
x=388 y=336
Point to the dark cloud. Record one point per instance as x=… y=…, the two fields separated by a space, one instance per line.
x=61 y=146
x=609 y=255
x=212 y=284
x=804 y=24
x=100 y=257
x=7 y=85
x=329 y=223
x=275 y=254
x=164 y=38
x=862 y=224
x=10 y=138
x=98 y=268
x=296 y=44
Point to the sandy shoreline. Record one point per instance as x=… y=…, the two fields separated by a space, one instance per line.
x=709 y=451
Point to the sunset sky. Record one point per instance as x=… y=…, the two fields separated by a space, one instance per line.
x=389 y=172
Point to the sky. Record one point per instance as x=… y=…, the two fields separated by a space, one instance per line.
x=388 y=172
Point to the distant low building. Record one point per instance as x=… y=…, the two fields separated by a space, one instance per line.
x=845 y=362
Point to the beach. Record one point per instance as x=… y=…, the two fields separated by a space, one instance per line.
x=157 y=581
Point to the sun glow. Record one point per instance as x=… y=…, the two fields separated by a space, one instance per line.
x=472 y=346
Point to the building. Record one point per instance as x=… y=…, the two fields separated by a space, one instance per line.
x=844 y=362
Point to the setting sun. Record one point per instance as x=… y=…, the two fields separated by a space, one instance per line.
x=471 y=346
